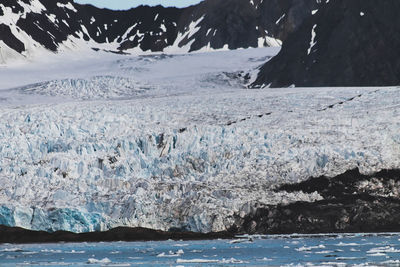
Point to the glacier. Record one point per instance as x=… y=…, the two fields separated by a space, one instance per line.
x=97 y=87
x=192 y=151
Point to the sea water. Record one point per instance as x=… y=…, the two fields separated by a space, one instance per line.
x=282 y=250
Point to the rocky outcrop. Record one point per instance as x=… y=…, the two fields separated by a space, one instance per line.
x=352 y=202
x=243 y=23
x=20 y=235
x=345 y=43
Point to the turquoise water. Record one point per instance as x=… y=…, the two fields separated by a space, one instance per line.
x=321 y=250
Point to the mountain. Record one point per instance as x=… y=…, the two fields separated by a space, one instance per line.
x=242 y=23
x=345 y=43
x=29 y=26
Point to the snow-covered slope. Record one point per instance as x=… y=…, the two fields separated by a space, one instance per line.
x=35 y=28
x=31 y=27
x=192 y=152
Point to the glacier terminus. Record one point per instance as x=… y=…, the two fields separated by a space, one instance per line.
x=174 y=141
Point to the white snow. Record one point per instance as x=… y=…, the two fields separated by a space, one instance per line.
x=281 y=18
x=67 y=6
x=187 y=34
x=163 y=28
x=85 y=31
x=128 y=31
x=52 y=18
x=269 y=42
x=312 y=42
x=180 y=154
x=11 y=19
x=34 y=6
x=7 y=54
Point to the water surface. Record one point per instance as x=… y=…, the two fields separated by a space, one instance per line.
x=326 y=250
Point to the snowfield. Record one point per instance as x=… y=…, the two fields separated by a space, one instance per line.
x=167 y=141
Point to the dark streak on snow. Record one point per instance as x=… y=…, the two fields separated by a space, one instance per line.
x=344 y=101
x=248 y=118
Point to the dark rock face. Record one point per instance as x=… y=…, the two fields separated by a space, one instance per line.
x=240 y=23
x=9 y=39
x=355 y=44
x=150 y=28
x=221 y=22
x=20 y=235
x=352 y=202
x=282 y=17
x=213 y=23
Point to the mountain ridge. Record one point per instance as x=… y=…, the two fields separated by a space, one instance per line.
x=27 y=26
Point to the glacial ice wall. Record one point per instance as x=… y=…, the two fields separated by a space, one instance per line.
x=189 y=161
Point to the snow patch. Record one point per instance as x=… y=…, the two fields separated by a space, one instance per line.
x=7 y=54
x=67 y=6
x=281 y=18
x=52 y=18
x=312 y=42
x=186 y=35
x=269 y=41
x=34 y=6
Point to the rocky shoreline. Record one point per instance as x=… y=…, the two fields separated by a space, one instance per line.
x=20 y=236
x=352 y=202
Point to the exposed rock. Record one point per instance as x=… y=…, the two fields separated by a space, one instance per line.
x=345 y=43
x=243 y=23
x=20 y=235
x=10 y=40
x=352 y=203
